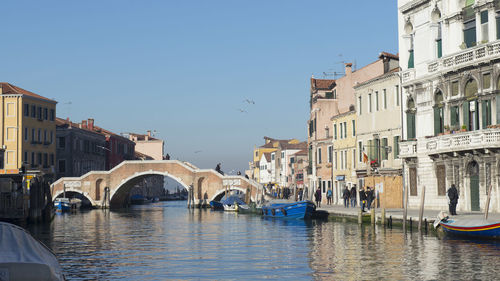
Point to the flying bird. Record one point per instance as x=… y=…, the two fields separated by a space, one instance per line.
x=249 y=101
x=197 y=151
x=242 y=110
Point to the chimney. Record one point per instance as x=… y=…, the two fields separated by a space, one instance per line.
x=91 y=123
x=84 y=124
x=348 y=69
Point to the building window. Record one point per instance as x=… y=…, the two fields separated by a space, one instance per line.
x=39 y=135
x=11 y=109
x=484 y=26
x=330 y=154
x=411 y=63
x=413 y=181
x=385 y=99
x=396 y=90
x=486 y=81
x=39 y=113
x=353 y=128
x=454 y=118
x=61 y=164
x=438 y=114
x=62 y=142
x=345 y=129
x=45 y=136
x=384 y=149
x=329 y=95
x=272 y=156
x=27 y=110
x=26 y=138
x=25 y=159
x=454 y=88
x=354 y=158
x=45 y=114
x=52 y=114
x=11 y=133
x=45 y=160
x=486 y=113
x=39 y=158
x=359 y=105
x=441 y=179
x=439 y=43
x=33 y=162
x=51 y=137
x=469 y=17
x=369 y=102
x=376 y=101
x=52 y=159
x=336 y=160
x=335 y=131
x=360 y=150
x=335 y=93
x=33 y=135
x=33 y=111
x=341 y=132
x=410 y=119
x=396 y=147
x=319 y=155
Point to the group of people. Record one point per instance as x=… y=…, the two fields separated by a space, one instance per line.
x=366 y=198
x=349 y=197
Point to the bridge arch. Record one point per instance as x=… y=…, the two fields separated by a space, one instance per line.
x=220 y=193
x=70 y=189
x=118 y=194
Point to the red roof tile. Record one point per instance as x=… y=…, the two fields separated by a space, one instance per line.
x=322 y=84
x=9 y=89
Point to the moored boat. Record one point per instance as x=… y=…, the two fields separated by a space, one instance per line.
x=472 y=226
x=216 y=205
x=67 y=204
x=289 y=209
x=234 y=204
x=25 y=258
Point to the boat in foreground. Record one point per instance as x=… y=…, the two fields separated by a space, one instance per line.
x=289 y=209
x=22 y=257
x=472 y=226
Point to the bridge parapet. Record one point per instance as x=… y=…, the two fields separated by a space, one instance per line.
x=207 y=183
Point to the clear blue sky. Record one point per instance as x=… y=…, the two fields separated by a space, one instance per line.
x=184 y=68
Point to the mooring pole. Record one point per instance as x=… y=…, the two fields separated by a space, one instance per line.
x=421 y=213
x=487 y=205
x=383 y=217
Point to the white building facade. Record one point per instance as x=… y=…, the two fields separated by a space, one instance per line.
x=450 y=65
x=265 y=168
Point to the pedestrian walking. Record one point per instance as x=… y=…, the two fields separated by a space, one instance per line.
x=346 y=194
x=453 y=196
x=369 y=198
x=362 y=199
x=353 y=196
x=300 y=194
x=317 y=196
x=329 y=195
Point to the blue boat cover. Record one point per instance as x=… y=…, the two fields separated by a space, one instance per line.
x=232 y=199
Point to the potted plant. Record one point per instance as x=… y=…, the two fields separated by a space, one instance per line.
x=464 y=128
x=447 y=130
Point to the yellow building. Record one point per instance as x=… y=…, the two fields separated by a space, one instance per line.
x=270 y=145
x=343 y=153
x=28 y=131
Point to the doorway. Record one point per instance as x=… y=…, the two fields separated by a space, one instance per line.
x=474 y=186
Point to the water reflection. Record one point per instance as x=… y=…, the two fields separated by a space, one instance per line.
x=168 y=241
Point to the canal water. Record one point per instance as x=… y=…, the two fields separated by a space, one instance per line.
x=168 y=241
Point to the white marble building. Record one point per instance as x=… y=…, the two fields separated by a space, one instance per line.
x=450 y=65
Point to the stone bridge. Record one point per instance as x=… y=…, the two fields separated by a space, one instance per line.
x=111 y=188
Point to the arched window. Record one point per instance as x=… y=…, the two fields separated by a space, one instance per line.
x=470 y=106
x=438 y=113
x=410 y=119
x=436 y=18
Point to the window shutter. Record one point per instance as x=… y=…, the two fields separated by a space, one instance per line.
x=384 y=149
x=484 y=114
x=465 y=107
x=437 y=121
x=410 y=125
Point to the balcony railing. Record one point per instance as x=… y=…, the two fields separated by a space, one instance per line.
x=462 y=141
x=470 y=55
x=408 y=149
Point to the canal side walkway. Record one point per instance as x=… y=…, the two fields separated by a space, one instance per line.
x=339 y=212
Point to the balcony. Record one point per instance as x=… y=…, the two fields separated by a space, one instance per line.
x=466 y=141
x=475 y=55
x=408 y=149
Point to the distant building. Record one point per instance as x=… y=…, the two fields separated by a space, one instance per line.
x=270 y=145
x=79 y=149
x=265 y=168
x=27 y=131
x=148 y=145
